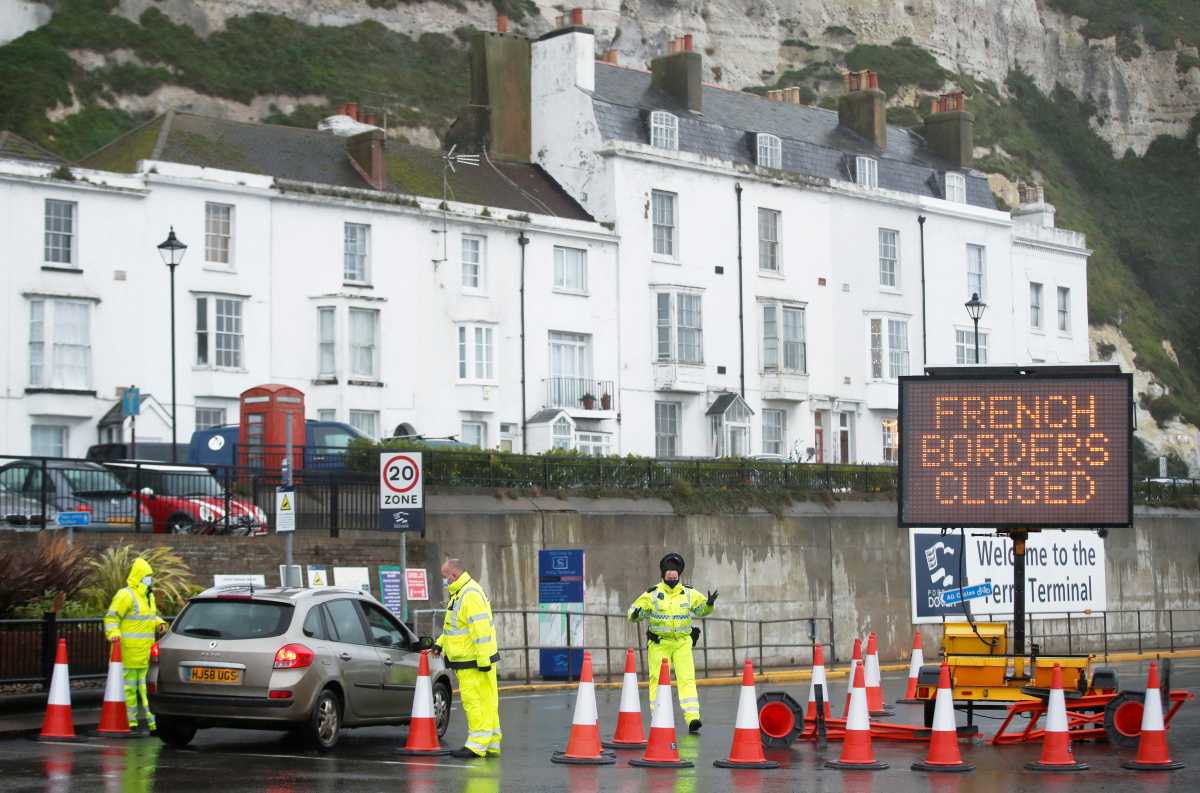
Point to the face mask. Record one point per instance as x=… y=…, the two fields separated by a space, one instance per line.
x=148 y=581
x=671 y=577
x=446 y=583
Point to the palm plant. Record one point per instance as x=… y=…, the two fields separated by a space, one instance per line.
x=172 y=577
x=50 y=567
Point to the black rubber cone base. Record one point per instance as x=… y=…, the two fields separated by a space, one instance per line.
x=882 y=713
x=68 y=739
x=605 y=758
x=876 y=766
x=120 y=736
x=615 y=745
x=765 y=764
x=1170 y=765
x=640 y=763
x=424 y=752
x=958 y=768
x=1052 y=768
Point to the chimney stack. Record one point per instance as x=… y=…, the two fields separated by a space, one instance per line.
x=950 y=130
x=366 y=154
x=498 y=116
x=610 y=57
x=678 y=73
x=862 y=108
x=576 y=17
x=352 y=110
x=501 y=23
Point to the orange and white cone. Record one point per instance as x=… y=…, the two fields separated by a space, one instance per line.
x=916 y=661
x=114 y=716
x=943 y=742
x=747 y=749
x=818 y=679
x=630 y=732
x=662 y=751
x=1056 y=746
x=583 y=745
x=1152 y=754
x=856 y=746
x=875 y=704
x=855 y=663
x=422 y=727
x=58 y=724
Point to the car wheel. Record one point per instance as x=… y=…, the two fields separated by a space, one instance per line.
x=325 y=722
x=175 y=732
x=441 y=707
x=180 y=524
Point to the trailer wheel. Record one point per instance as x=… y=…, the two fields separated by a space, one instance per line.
x=1123 y=719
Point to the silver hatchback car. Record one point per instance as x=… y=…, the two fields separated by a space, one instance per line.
x=310 y=661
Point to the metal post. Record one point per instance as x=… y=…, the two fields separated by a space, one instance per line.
x=1104 y=614
x=525 y=644
x=568 y=616
x=334 y=529
x=1171 y=628
x=732 y=648
x=976 y=319
x=404 y=575
x=1068 y=633
x=761 y=665
x=287 y=481
x=1018 y=540
x=137 y=507
x=607 y=658
x=174 y=405
x=1139 y=629
x=704 y=630
x=49 y=646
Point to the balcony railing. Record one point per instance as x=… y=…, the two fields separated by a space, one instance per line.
x=568 y=392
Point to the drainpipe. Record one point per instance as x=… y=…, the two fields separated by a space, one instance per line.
x=737 y=188
x=523 y=241
x=924 y=334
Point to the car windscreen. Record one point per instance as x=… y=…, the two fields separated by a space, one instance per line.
x=233 y=619
x=93 y=480
x=189 y=484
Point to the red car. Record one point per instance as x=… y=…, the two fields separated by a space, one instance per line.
x=188 y=500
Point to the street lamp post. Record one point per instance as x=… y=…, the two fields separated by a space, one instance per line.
x=975 y=308
x=171 y=250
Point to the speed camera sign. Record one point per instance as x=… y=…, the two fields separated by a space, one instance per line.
x=401 y=492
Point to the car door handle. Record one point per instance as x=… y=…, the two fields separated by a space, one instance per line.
x=345 y=656
x=387 y=662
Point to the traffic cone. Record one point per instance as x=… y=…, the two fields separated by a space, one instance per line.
x=818 y=679
x=875 y=704
x=583 y=745
x=914 y=669
x=422 y=727
x=1056 y=746
x=747 y=750
x=1152 y=745
x=662 y=751
x=856 y=746
x=943 y=742
x=114 y=718
x=58 y=724
x=630 y=733
x=855 y=662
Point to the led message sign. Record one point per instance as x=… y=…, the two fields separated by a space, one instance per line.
x=1011 y=451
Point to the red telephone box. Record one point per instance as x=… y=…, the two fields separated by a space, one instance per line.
x=267 y=412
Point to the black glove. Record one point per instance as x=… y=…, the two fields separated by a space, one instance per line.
x=712 y=597
x=485 y=668
x=635 y=615
x=695 y=635
x=651 y=636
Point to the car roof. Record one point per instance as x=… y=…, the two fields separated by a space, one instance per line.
x=285 y=594
x=156 y=465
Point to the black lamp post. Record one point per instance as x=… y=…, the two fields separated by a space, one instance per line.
x=172 y=250
x=975 y=308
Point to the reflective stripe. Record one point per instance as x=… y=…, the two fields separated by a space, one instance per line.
x=112 y=613
x=143 y=618
x=483 y=640
x=688 y=701
x=479 y=734
x=133 y=597
x=456 y=632
x=128 y=635
x=476 y=618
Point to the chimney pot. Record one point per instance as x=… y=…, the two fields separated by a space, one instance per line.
x=794 y=95
x=576 y=16
x=687 y=42
x=352 y=110
x=862 y=109
x=950 y=130
x=610 y=56
x=501 y=23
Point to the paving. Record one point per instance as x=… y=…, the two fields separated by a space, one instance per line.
x=536 y=724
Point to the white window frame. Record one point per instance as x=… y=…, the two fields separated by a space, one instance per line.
x=327 y=414
x=675 y=341
x=327 y=341
x=60 y=239
x=667 y=438
x=890 y=439
x=1064 y=310
x=664 y=130
x=593 y=444
x=223 y=332
x=770 y=150
x=477 y=427
x=889 y=351
x=663 y=229
x=56 y=360
x=956 y=188
x=770 y=227
x=866 y=171
x=774 y=430
x=205 y=415
x=964 y=346
x=474 y=263
x=570 y=270
x=58 y=436
x=476 y=347
x=366 y=422
x=722 y=426
x=356 y=253
x=783 y=350
x=360 y=352
x=977 y=281
x=889 y=258
x=218 y=232
x=1037 y=317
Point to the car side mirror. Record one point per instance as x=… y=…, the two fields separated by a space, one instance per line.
x=425 y=643
x=148 y=493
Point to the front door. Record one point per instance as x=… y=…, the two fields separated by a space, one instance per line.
x=819 y=434
x=398 y=675
x=358 y=661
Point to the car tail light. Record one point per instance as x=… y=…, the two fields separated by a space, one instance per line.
x=152 y=688
x=83 y=506
x=154 y=653
x=279 y=695
x=293 y=656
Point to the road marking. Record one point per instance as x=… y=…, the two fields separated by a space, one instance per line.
x=431 y=763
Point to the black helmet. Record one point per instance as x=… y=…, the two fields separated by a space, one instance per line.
x=673 y=561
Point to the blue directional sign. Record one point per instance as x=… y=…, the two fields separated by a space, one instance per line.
x=131 y=401
x=953 y=597
x=560 y=576
x=74 y=519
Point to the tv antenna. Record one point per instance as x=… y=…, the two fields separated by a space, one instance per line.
x=449 y=160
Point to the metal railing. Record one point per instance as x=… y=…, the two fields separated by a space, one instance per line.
x=28 y=647
x=571 y=392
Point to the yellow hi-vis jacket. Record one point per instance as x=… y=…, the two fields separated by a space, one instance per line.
x=134 y=617
x=468 y=637
x=668 y=610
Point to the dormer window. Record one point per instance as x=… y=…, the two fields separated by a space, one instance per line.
x=866 y=171
x=770 y=151
x=664 y=130
x=956 y=188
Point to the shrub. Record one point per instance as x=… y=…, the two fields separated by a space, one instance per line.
x=52 y=566
x=173 y=583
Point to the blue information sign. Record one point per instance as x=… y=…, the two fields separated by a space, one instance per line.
x=74 y=519
x=952 y=597
x=131 y=401
x=560 y=576
x=391 y=580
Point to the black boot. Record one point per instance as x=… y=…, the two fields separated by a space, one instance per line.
x=464 y=754
x=694 y=725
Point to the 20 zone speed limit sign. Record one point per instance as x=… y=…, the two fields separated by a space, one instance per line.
x=401 y=492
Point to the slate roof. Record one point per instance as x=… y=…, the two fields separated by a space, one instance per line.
x=14 y=147
x=545 y=416
x=723 y=402
x=813 y=142
x=305 y=155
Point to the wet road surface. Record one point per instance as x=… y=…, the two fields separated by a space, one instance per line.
x=535 y=725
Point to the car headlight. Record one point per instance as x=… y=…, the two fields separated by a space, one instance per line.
x=207 y=515
x=259 y=515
